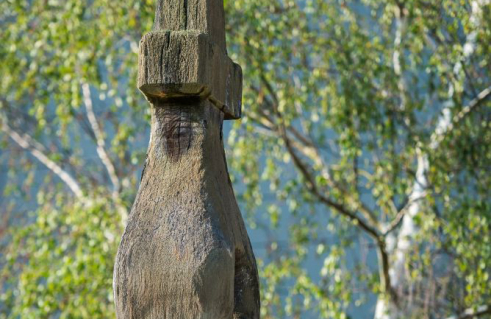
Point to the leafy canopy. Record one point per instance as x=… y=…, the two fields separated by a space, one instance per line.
x=344 y=103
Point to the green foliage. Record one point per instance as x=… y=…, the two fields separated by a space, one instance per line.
x=341 y=99
x=62 y=263
x=357 y=107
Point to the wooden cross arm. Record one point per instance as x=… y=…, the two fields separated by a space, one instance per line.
x=176 y=64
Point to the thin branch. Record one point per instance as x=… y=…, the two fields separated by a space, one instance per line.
x=372 y=231
x=400 y=216
x=352 y=216
x=471 y=313
x=384 y=270
x=37 y=150
x=271 y=91
x=326 y=200
x=308 y=149
x=312 y=185
x=302 y=138
x=313 y=153
x=101 y=145
x=466 y=111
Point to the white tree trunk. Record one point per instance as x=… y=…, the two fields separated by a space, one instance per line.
x=399 y=245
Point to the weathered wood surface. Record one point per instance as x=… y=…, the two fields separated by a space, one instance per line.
x=206 y=16
x=185 y=252
x=187 y=63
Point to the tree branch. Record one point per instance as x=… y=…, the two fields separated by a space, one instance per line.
x=308 y=149
x=400 y=216
x=471 y=313
x=27 y=143
x=311 y=185
x=352 y=216
x=99 y=136
x=438 y=137
x=372 y=231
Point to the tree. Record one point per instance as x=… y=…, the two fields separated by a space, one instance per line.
x=365 y=132
x=382 y=107
x=75 y=127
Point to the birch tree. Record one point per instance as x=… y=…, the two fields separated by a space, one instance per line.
x=363 y=154
x=382 y=109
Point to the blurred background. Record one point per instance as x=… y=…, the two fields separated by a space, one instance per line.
x=362 y=163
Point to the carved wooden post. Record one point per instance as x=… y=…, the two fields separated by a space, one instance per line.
x=185 y=252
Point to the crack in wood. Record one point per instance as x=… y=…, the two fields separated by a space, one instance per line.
x=185 y=9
